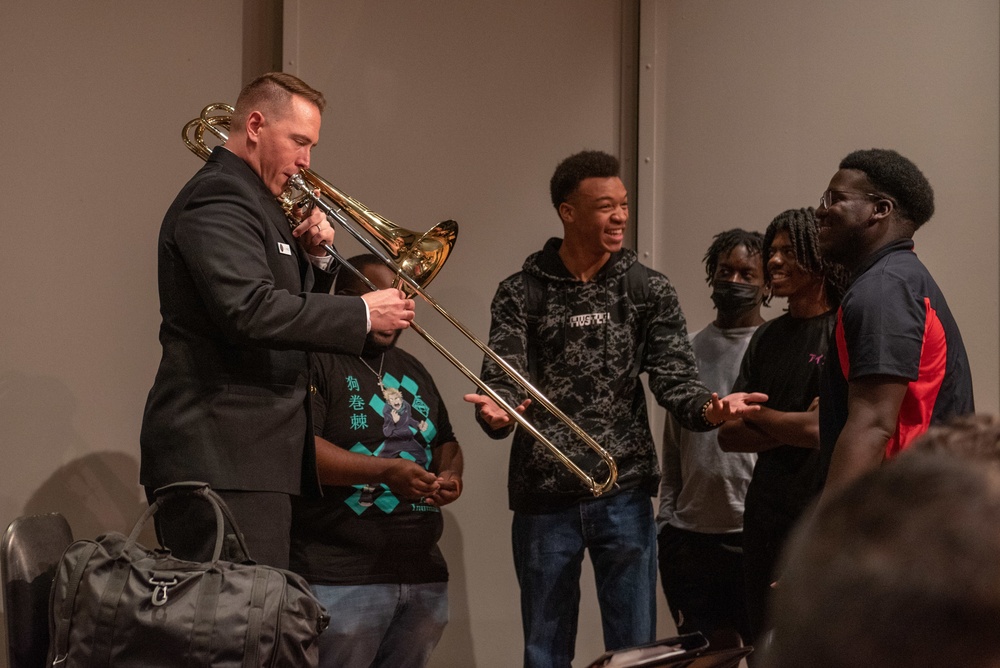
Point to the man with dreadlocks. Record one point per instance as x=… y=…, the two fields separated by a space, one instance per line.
x=784 y=360
x=899 y=364
x=700 y=521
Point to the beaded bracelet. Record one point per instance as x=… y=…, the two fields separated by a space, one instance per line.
x=704 y=415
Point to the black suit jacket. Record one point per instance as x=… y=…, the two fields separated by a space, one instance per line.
x=241 y=306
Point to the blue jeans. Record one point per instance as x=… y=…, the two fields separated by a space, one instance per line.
x=389 y=625
x=620 y=535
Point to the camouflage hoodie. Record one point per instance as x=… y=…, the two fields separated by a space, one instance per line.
x=587 y=343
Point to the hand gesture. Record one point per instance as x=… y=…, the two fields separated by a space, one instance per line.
x=734 y=406
x=493 y=415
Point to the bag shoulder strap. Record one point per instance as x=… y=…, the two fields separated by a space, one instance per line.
x=62 y=617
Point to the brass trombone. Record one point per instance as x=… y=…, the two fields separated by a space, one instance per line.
x=415 y=259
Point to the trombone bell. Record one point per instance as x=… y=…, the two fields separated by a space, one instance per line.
x=419 y=256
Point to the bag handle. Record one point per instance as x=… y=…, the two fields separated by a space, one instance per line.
x=203 y=490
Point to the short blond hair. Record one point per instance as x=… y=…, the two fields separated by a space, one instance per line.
x=271 y=94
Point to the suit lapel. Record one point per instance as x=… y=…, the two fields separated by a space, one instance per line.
x=275 y=214
x=284 y=228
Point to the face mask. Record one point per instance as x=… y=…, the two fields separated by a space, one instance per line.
x=730 y=297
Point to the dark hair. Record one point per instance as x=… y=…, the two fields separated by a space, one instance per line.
x=576 y=168
x=893 y=175
x=974 y=437
x=347 y=280
x=725 y=242
x=800 y=224
x=271 y=92
x=898 y=570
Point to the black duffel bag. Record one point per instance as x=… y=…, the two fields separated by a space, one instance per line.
x=117 y=603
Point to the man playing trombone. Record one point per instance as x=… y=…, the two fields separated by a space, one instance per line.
x=582 y=319
x=243 y=298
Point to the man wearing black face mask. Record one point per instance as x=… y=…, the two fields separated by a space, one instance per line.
x=785 y=359
x=736 y=301
x=388 y=460
x=700 y=519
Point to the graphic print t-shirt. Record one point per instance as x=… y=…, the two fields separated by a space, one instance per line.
x=365 y=534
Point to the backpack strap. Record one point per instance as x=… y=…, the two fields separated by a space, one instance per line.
x=636 y=281
x=534 y=309
x=637 y=288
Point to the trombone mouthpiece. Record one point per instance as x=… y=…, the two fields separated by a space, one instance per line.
x=296 y=199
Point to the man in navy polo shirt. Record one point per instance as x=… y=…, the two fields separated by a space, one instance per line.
x=898 y=364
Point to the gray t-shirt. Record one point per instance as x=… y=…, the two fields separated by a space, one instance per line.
x=701 y=487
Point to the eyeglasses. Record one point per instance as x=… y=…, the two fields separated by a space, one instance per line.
x=826 y=199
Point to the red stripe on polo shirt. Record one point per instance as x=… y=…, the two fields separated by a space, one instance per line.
x=918 y=404
x=841 y=340
x=921 y=395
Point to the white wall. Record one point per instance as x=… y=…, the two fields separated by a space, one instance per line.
x=749 y=106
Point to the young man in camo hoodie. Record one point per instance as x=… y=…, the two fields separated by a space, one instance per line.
x=600 y=319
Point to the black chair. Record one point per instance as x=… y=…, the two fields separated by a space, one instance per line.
x=29 y=555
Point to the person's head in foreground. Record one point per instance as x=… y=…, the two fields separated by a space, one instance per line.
x=900 y=570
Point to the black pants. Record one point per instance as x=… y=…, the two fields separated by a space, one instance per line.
x=702 y=576
x=186 y=526
x=764 y=535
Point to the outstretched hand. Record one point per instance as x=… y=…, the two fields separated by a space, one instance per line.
x=493 y=415
x=734 y=406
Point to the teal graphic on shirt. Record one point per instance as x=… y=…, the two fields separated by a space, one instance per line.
x=407 y=430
